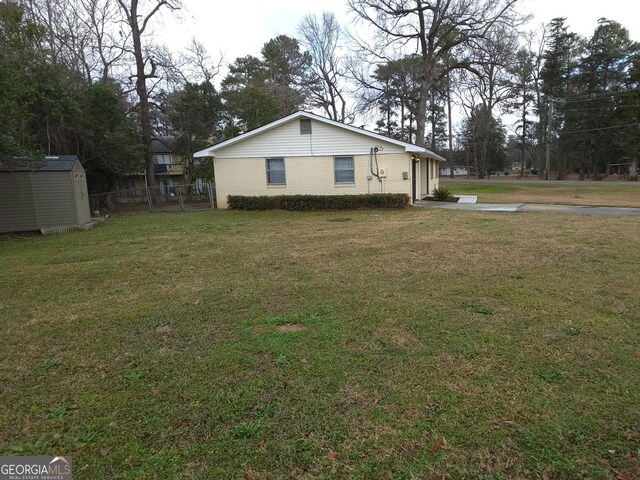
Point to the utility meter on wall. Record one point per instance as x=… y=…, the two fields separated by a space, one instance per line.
x=382 y=172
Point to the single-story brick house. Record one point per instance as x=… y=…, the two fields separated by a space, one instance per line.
x=305 y=153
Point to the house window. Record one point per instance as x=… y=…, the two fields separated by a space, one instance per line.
x=343 y=168
x=305 y=127
x=275 y=171
x=163 y=159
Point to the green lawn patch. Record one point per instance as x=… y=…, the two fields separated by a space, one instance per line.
x=479 y=188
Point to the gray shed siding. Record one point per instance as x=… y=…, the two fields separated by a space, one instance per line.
x=53 y=199
x=30 y=200
x=16 y=204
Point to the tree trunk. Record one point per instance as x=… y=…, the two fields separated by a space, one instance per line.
x=389 y=119
x=143 y=95
x=475 y=152
x=138 y=24
x=468 y=165
x=524 y=132
x=433 y=122
x=562 y=165
x=449 y=121
x=421 y=113
x=483 y=162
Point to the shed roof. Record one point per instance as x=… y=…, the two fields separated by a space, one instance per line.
x=60 y=163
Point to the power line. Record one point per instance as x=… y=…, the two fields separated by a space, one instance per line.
x=588 y=109
x=599 y=129
x=610 y=92
x=600 y=96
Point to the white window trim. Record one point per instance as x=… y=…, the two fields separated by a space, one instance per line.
x=266 y=171
x=344 y=184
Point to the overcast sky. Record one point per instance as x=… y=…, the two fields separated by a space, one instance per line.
x=238 y=28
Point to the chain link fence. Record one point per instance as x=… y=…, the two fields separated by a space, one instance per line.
x=176 y=198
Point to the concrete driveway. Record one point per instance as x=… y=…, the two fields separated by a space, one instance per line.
x=534 y=207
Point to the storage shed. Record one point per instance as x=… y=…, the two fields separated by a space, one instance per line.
x=42 y=193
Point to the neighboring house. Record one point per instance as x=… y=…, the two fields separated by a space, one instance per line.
x=457 y=171
x=45 y=193
x=515 y=168
x=169 y=170
x=304 y=153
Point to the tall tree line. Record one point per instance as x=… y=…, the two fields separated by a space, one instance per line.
x=575 y=99
x=88 y=77
x=591 y=88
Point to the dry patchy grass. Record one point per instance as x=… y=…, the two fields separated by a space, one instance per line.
x=412 y=344
x=618 y=194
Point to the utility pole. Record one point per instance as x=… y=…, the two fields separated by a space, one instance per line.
x=451 y=174
x=550 y=116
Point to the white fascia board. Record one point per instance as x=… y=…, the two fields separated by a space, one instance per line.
x=207 y=152
x=210 y=151
x=409 y=147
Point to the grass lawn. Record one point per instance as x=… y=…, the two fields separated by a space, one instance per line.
x=412 y=344
x=620 y=194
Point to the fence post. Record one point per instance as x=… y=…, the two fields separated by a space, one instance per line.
x=149 y=202
x=211 y=199
x=180 y=199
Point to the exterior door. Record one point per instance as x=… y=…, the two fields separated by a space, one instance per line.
x=414 y=180
x=427 y=170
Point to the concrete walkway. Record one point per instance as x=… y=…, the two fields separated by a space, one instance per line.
x=534 y=207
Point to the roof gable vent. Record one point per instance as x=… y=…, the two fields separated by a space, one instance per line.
x=305 y=126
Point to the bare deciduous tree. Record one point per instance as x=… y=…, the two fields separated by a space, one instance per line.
x=433 y=29
x=203 y=67
x=492 y=56
x=83 y=35
x=101 y=18
x=145 y=69
x=193 y=66
x=322 y=39
x=542 y=42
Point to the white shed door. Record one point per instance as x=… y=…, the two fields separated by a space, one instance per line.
x=82 y=197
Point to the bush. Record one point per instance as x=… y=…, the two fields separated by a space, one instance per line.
x=442 y=195
x=318 y=202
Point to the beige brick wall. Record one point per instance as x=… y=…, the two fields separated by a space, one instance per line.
x=308 y=175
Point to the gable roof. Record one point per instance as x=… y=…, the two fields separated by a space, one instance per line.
x=409 y=147
x=161 y=144
x=61 y=163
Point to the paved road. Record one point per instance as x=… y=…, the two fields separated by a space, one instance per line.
x=535 y=207
x=537 y=181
